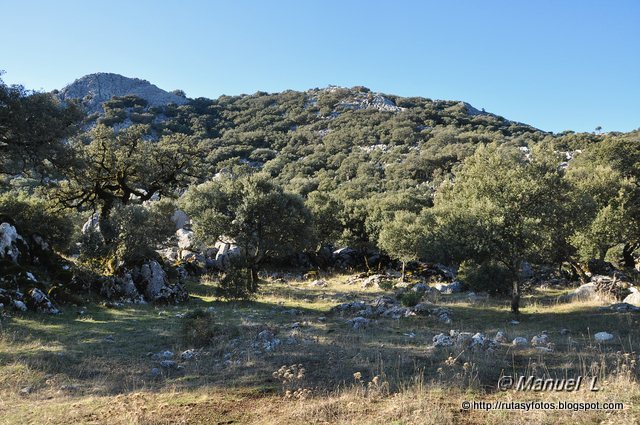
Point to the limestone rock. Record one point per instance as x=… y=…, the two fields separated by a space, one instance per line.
x=9 y=238
x=603 y=337
x=41 y=302
x=180 y=219
x=520 y=341
x=633 y=298
x=442 y=340
x=94 y=89
x=186 y=239
x=156 y=287
x=500 y=337
x=359 y=322
x=539 y=340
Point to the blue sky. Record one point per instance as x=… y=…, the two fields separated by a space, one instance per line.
x=557 y=65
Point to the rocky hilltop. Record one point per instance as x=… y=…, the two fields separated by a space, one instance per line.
x=94 y=89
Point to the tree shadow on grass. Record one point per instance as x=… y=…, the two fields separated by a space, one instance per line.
x=107 y=350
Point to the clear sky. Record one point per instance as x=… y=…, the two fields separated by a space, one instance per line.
x=555 y=64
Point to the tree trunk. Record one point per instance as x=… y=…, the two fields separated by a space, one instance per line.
x=402 y=277
x=515 y=297
x=254 y=279
x=627 y=255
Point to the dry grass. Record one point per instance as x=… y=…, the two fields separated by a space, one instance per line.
x=388 y=373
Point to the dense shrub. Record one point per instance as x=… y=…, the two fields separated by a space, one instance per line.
x=410 y=298
x=490 y=277
x=237 y=284
x=35 y=215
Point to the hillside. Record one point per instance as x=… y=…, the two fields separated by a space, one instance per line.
x=328 y=256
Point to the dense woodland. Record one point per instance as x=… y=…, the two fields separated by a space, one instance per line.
x=295 y=172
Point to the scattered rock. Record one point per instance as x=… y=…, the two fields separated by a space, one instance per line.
x=321 y=283
x=41 y=302
x=564 y=331
x=155 y=372
x=268 y=340
x=520 y=341
x=421 y=287
x=374 y=281
x=544 y=349
x=582 y=293
x=359 y=322
x=26 y=391
x=19 y=305
x=163 y=355
x=622 y=308
x=514 y=322
x=452 y=288
x=603 y=337
x=462 y=338
x=188 y=354
x=540 y=340
x=477 y=339
x=501 y=338
x=168 y=364
x=442 y=340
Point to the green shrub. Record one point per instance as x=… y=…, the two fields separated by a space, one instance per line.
x=236 y=284
x=134 y=232
x=386 y=285
x=410 y=298
x=199 y=329
x=490 y=277
x=32 y=214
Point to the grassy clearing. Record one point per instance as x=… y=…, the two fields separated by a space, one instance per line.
x=97 y=367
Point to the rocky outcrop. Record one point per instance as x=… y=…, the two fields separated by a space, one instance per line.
x=94 y=89
x=387 y=307
x=9 y=240
x=154 y=284
x=370 y=101
x=633 y=298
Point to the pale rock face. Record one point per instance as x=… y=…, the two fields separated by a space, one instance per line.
x=156 y=279
x=584 y=292
x=8 y=238
x=633 y=298
x=180 y=218
x=224 y=253
x=186 y=239
x=93 y=223
x=94 y=89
